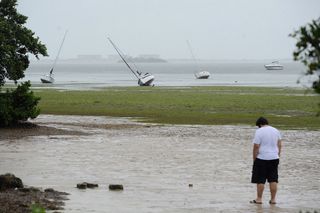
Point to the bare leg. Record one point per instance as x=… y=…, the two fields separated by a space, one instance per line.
x=273 y=191
x=260 y=188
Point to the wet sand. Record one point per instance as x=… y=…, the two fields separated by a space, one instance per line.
x=156 y=164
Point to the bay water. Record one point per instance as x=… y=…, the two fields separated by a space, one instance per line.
x=96 y=75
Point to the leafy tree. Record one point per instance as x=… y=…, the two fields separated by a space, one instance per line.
x=18 y=105
x=16 y=43
x=308 y=49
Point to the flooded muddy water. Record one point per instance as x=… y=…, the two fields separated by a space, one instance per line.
x=156 y=164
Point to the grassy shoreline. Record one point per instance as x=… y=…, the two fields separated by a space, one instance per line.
x=287 y=108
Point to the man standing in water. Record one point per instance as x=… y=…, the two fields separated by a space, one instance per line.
x=266 y=154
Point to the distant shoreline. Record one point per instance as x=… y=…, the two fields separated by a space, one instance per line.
x=158 y=60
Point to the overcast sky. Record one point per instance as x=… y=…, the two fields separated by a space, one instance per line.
x=216 y=29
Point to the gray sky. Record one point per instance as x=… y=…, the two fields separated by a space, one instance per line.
x=217 y=29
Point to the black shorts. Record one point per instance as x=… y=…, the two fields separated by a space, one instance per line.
x=265 y=170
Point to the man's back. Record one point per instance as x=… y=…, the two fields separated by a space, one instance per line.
x=267 y=137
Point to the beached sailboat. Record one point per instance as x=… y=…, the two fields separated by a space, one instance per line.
x=275 y=65
x=144 y=79
x=201 y=74
x=49 y=79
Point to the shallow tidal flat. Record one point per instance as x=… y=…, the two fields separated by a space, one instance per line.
x=286 y=108
x=163 y=168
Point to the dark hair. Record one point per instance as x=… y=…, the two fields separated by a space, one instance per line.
x=261 y=121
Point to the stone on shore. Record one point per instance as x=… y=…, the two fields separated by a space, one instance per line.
x=9 y=181
x=21 y=200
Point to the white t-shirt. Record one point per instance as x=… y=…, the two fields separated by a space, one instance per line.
x=267 y=137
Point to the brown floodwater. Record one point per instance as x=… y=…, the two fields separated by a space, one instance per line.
x=156 y=164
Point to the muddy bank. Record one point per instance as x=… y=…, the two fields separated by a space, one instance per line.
x=22 y=200
x=33 y=129
x=156 y=165
x=52 y=128
x=14 y=197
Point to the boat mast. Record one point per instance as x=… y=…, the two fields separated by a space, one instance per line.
x=118 y=51
x=194 y=58
x=56 y=59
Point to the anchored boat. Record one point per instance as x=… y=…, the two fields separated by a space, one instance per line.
x=49 y=79
x=275 y=65
x=199 y=74
x=144 y=79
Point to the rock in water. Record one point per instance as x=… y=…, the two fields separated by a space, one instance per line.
x=92 y=185
x=82 y=185
x=115 y=187
x=85 y=185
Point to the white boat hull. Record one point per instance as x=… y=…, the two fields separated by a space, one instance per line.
x=273 y=67
x=47 y=79
x=202 y=75
x=146 y=80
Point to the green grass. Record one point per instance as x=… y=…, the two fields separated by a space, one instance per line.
x=286 y=108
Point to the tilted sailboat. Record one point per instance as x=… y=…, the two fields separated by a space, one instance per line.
x=144 y=79
x=201 y=74
x=49 y=79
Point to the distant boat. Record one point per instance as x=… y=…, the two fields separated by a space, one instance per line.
x=49 y=79
x=144 y=79
x=200 y=74
x=274 y=66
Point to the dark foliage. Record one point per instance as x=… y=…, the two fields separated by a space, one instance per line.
x=16 y=42
x=308 y=49
x=18 y=105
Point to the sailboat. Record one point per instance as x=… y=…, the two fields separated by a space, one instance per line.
x=201 y=74
x=49 y=79
x=144 y=79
